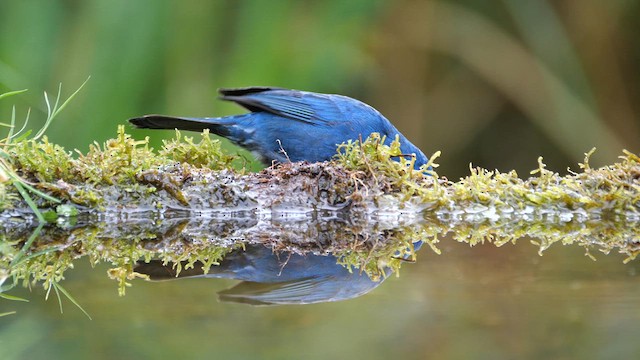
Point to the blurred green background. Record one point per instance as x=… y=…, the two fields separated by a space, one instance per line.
x=496 y=83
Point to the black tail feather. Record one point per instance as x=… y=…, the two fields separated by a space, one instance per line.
x=245 y=91
x=169 y=122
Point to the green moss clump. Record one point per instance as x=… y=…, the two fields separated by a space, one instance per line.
x=379 y=259
x=205 y=154
x=7 y=197
x=41 y=160
x=392 y=172
x=118 y=161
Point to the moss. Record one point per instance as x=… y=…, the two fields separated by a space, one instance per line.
x=186 y=244
x=41 y=160
x=205 y=154
x=7 y=197
x=138 y=190
x=119 y=161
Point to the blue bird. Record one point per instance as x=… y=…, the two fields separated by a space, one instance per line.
x=290 y=125
x=271 y=278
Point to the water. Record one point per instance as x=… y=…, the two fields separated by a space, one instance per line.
x=481 y=302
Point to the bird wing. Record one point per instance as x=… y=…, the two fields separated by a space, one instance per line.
x=292 y=104
x=299 y=291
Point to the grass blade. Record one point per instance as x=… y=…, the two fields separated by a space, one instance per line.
x=12 y=298
x=62 y=290
x=29 y=201
x=52 y=113
x=27 y=244
x=11 y=93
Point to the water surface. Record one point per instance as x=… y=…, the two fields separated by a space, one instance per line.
x=467 y=302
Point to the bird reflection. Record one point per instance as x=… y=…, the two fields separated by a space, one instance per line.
x=274 y=278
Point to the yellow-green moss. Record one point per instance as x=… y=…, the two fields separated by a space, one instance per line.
x=118 y=161
x=596 y=208
x=205 y=154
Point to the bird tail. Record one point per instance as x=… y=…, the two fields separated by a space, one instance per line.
x=219 y=126
x=157 y=270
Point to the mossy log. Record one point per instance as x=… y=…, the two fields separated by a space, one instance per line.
x=123 y=201
x=126 y=179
